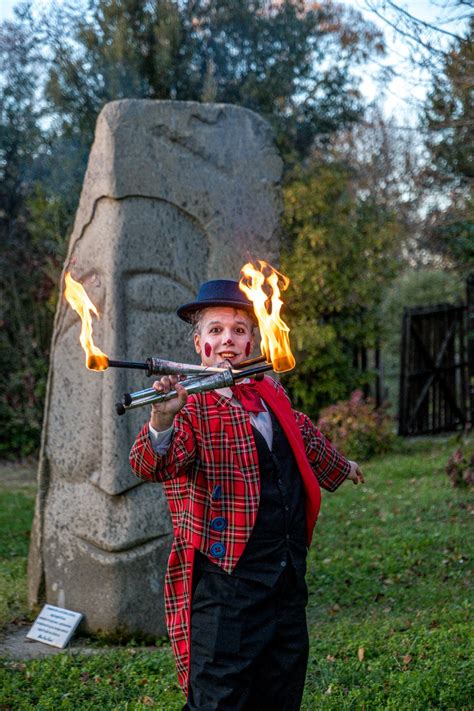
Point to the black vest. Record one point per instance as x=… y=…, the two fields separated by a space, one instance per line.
x=278 y=538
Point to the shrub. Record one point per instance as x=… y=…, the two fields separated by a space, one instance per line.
x=460 y=466
x=357 y=428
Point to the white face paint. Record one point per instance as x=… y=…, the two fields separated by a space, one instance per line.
x=225 y=335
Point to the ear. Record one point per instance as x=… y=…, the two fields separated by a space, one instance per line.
x=197 y=343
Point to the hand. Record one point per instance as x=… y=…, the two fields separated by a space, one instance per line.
x=355 y=474
x=163 y=413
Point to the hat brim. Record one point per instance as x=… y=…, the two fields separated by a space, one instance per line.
x=185 y=312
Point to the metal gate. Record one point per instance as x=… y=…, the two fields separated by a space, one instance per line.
x=434 y=382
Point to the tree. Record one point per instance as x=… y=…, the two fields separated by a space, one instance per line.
x=448 y=116
x=425 y=40
x=290 y=62
x=342 y=254
x=443 y=50
x=25 y=331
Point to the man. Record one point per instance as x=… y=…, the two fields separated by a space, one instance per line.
x=240 y=470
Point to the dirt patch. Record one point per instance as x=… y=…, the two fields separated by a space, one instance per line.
x=18 y=475
x=15 y=646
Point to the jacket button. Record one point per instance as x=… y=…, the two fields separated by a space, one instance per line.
x=218 y=523
x=216 y=492
x=217 y=550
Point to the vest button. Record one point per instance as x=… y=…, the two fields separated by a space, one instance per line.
x=216 y=492
x=218 y=523
x=217 y=550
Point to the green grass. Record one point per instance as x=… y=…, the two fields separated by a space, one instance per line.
x=388 y=613
x=16 y=512
x=389 y=576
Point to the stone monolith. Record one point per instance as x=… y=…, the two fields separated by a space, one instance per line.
x=175 y=193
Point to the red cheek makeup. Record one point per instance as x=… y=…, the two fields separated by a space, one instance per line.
x=247 y=348
x=207 y=349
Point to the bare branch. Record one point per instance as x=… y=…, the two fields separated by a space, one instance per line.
x=423 y=23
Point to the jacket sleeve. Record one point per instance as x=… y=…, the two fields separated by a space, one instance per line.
x=330 y=466
x=151 y=466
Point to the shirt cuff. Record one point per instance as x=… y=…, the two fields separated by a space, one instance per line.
x=160 y=441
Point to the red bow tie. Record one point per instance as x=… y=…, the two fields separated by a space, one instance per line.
x=248 y=396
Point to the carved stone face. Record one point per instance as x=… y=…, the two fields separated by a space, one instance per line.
x=106 y=534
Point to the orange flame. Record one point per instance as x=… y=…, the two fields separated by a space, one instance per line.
x=275 y=343
x=76 y=296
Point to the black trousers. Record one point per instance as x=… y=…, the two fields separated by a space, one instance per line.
x=249 y=644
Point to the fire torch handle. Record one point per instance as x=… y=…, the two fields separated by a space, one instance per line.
x=193 y=385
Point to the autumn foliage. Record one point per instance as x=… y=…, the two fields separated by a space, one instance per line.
x=357 y=428
x=460 y=465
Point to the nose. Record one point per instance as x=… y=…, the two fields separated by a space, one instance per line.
x=227 y=338
x=113 y=474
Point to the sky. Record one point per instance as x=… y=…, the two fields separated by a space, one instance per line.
x=405 y=92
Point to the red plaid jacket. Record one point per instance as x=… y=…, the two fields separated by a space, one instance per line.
x=210 y=473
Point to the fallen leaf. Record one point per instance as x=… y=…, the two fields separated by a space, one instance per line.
x=329 y=689
x=18 y=666
x=361 y=654
x=407 y=659
x=147 y=701
x=330 y=658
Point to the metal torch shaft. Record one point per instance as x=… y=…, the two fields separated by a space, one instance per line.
x=128 y=398
x=160 y=366
x=194 y=385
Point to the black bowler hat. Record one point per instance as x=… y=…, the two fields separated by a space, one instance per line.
x=218 y=292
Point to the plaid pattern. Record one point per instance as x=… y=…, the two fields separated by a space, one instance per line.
x=213 y=450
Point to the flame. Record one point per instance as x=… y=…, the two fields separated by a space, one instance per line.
x=275 y=343
x=76 y=296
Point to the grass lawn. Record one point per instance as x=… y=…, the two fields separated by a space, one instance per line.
x=388 y=610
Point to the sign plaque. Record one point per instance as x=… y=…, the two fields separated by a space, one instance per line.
x=54 y=626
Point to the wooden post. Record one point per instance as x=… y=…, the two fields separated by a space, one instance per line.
x=470 y=342
x=378 y=376
x=402 y=402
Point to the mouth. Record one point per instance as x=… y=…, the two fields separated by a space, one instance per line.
x=124 y=549
x=228 y=355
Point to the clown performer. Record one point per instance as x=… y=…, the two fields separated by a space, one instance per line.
x=241 y=471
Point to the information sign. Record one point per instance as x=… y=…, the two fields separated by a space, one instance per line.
x=54 y=626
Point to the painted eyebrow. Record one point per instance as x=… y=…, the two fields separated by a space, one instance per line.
x=219 y=323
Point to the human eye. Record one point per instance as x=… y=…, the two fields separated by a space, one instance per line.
x=214 y=329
